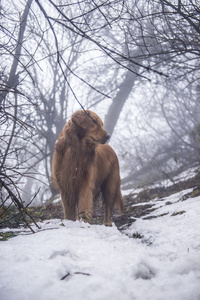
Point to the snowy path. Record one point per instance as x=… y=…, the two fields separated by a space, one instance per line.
x=164 y=264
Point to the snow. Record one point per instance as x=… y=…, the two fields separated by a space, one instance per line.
x=75 y=260
x=187 y=174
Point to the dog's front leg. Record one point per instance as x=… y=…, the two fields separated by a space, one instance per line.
x=85 y=205
x=69 y=208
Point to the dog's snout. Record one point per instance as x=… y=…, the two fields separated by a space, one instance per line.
x=106 y=137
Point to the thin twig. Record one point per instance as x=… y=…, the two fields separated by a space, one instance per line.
x=19 y=204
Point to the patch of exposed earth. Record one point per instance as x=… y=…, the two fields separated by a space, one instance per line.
x=137 y=204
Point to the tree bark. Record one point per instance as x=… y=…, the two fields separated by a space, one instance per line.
x=118 y=102
x=13 y=78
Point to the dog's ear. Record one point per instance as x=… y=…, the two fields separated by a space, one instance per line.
x=79 y=129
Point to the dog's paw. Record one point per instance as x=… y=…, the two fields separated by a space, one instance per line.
x=85 y=217
x=108 y=224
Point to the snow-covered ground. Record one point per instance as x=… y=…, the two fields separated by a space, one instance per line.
x=75 y=260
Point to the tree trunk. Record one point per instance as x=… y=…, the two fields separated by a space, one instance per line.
x=118 y=102
x=13 y=78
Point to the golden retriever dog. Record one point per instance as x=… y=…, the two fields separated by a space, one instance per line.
x=84 y=165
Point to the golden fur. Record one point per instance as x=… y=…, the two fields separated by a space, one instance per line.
x=83 y=165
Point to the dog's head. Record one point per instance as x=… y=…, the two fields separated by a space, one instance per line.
x=89 y=125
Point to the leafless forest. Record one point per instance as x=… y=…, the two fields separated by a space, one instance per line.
x=134 y=62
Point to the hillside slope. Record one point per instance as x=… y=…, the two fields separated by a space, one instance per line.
x=154 y=255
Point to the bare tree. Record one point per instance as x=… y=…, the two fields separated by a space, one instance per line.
x=170 y=39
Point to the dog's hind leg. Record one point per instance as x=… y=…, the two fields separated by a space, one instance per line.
x=107 y=215
x=112 y=197
x=108 y=197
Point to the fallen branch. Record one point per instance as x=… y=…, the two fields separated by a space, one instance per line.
x=22 y=210
x=75 y=273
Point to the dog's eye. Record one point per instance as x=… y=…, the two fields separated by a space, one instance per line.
x=95 y=122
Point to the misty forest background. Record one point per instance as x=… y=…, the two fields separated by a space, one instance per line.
x=134 y=62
